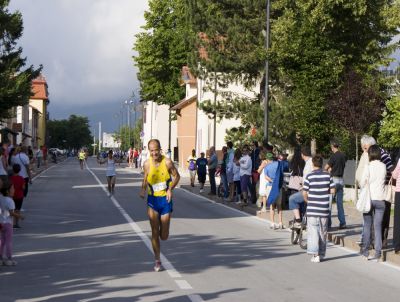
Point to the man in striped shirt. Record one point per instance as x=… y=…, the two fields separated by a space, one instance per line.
x=317 y=189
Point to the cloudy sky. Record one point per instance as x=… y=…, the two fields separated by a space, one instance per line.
x=85 y=47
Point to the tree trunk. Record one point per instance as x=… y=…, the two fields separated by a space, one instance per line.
x=313 y=146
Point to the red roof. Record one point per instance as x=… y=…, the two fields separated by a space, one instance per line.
x=39 y=88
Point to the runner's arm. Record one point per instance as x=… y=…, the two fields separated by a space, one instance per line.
x=174 y=172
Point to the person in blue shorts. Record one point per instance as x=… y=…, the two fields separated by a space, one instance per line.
x=159 y=184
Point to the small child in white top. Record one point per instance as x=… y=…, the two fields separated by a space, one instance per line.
x=6 y=220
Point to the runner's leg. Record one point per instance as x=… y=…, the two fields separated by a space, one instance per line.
x=155 y=231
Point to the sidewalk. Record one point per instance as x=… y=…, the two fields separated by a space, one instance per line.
x=346 y=238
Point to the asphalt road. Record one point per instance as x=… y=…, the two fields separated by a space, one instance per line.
x=77 y=244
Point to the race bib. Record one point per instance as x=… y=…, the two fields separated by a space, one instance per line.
x=161 y=186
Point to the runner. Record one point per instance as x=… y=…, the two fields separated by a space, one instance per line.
x=157 y=180
x=110 y=172
x=82 y=157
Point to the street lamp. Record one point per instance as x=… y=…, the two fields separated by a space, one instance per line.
x=129 y=103
x=266 y=77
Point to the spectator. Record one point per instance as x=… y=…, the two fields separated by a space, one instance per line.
x=318 y=185
x=223 y=175
x=18 y=183
x=39 y=157
x=236 y=175
x=191 y=162
x=44 y=152
x=374 y=176
x=263 y=183
x=212 y=166
x=296 y=200
x=396 y=216
x=22 y=159
x=245 y=173
x=255 y=176
x=335 y=167
x=3 y=165
x=229 y=169
x=201 y=164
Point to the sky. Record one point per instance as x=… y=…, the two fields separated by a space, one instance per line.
x=85 y=47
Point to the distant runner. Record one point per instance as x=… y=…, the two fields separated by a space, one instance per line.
x=159 y=184
x=82 y=157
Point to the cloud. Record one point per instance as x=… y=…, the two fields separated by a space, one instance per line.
x=85 y=48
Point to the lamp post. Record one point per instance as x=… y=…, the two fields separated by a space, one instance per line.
x=129 y=103
x=266 y=94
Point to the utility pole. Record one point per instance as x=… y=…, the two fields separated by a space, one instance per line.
x=99 y=137
x=266 y=93
x=215 y=109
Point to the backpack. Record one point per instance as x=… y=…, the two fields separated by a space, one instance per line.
x=192 y=165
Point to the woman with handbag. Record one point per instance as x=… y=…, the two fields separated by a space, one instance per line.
x=374 y=176
x=396 y=216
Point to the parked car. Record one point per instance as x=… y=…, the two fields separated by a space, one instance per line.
x=56 y=151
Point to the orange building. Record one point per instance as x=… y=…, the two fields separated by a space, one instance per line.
x=39 y=102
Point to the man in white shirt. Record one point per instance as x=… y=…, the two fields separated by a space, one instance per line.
x=296 y=200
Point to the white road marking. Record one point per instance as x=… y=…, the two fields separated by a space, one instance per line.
x=172 y=272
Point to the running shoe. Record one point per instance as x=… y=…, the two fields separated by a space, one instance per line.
x=281 y=226
x=9 y=262
x=158 y=267
x=315 y=259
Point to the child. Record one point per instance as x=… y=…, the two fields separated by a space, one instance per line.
x=7 y=213
x=318 y=185
x=201 y=164
x=18 y=183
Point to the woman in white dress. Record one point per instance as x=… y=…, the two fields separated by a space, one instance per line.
x=262 y=191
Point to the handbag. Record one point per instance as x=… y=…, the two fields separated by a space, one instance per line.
x=255 y=176
x=295 y=182
x=389 y=196
x=363 y=204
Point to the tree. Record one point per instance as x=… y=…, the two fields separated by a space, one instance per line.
x=389 y=131
x=162 y=52
x=124 y=133
x=313 y=44
x=73 y=133
x=15 y=82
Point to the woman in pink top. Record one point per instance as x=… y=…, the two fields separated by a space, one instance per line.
x=396 y=227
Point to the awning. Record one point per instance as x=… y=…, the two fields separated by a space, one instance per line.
x=184 y=103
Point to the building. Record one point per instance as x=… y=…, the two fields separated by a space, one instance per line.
x=38 y=113
x=156 y=125
x=109 y=142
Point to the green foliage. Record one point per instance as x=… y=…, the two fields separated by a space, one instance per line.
x=15 y=82
x=389 y=135
x=129 y=137
x=73 y=133
x=162 y=51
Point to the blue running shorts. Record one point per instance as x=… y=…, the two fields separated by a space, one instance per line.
x=159 y=204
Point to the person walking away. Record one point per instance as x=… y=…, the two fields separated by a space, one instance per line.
x=111 y=173
x=255 y=176
x=245 y=173
x=159 y=185
x=229 y=169
x=374 y=177
x=263 y=183
x=18 y=183
x=224 y=177
x=396 y=216
x=212 y=166
x=271 y=175
x=296 y=200
x=136 y=157
x=335 y=167
x=81 y=157
x=7 y=208
x=318 y=185
x=144 y=156
x=236 y=175
x=39 y=157
x=201 y=164
x=191 y=162
x=44 y=152
x=130 y=157
x=21 y=158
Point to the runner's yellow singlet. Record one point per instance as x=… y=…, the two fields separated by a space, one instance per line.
x=158 y=178
x=82 y=155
